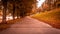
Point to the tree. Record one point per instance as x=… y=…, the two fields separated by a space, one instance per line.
x=13 y=9
x=26 y=7
x=17 y=12
x=21 y=7
x=4 y=2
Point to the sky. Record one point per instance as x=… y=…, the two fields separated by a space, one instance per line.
x=40 y=3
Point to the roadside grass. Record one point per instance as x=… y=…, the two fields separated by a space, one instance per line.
x=51 y=17
x=10 y=22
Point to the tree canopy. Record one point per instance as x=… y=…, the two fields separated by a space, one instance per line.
x=22 y=7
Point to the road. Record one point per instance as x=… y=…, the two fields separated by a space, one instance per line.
x=29 y=25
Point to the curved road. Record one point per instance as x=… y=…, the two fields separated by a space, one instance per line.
x=29 y=25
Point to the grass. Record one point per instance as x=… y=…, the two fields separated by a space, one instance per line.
x=10 y=22
x=51 y=17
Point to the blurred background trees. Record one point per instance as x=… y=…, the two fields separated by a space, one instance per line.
x=17 y=8
x=22 y=8
x=49 y=5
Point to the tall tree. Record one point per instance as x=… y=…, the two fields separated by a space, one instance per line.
x=4 y=2
x=13 y=9
x=26 y=7
x=17 y=10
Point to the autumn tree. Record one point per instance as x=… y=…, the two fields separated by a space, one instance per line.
x=4 y=3
x=21 y=8
x=26 y=7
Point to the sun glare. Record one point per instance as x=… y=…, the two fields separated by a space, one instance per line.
x=39 y=3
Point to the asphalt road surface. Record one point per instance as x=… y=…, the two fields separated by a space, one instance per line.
x=29 y=25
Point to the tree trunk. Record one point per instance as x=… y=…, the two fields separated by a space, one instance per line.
x=13 y=10
x=4 y=15
x=17 y=14
x=4 y=2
